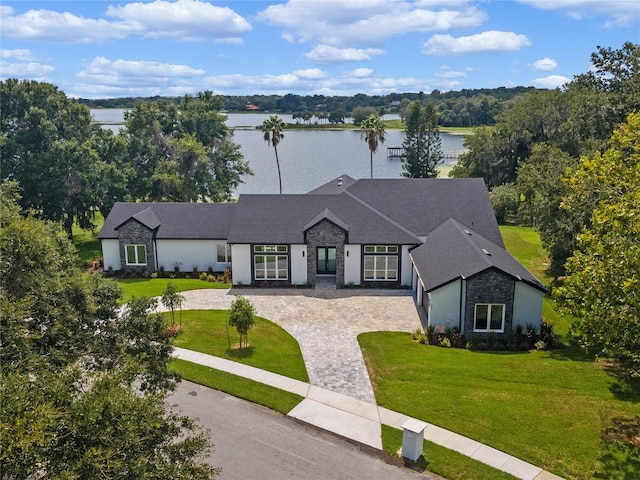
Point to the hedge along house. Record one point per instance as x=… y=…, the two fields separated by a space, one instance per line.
x=436 y=236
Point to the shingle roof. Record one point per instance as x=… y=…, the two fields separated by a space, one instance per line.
x=284 y=218
x=173 y=220
x=422 y=204
x=334 y=186
x=454 y=251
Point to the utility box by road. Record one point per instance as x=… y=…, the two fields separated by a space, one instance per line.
x=413 y=438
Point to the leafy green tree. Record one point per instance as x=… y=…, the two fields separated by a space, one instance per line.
x=505 y=201
x=359 y=114
x=273 y=133
x=479 y=157
x=337 y=116
x=540 y=183
x=172 y=299
x=373 y=132
x=422 y=144
x=241 y=316
x=46 y=145
x=84 y=390
x=602 y=285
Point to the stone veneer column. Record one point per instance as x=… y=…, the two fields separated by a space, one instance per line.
x=133 y=232
x=325 y=234
x=491 y=286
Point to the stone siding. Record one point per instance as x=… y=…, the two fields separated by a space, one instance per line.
x=134 y=233
x=325 y=234
x=490 y=286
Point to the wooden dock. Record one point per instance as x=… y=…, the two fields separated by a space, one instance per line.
x=396 y=153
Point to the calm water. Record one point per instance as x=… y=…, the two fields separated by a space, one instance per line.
x=307 y=158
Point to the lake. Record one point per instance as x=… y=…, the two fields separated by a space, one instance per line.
x=308 y=158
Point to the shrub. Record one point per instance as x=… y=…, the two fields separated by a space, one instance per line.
x=203 y=276
x=211 y=278
x=445 y=342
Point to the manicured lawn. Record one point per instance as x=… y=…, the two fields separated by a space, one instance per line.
x=240 y=387
x=441 y=460
x=547 y=408
x=270 y=347
x=86 y=243
x=154 y=287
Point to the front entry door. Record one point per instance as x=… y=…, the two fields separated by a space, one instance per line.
x=326 y=260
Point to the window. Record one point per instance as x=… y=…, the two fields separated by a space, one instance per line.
x=379 y=266
x=223 y=253
x=136 y=254
x=489 y=317
x=269 y=263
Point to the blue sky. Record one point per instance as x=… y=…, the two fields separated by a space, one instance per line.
x=105 y=49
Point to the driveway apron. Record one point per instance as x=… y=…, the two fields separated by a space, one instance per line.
x=326 y=324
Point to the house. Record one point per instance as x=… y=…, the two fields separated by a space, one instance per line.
x=438 y=237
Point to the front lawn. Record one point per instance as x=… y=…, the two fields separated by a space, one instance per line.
x=155 y=287
x=270 y=347
x=547 y=408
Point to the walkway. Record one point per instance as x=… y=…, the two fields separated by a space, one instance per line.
x=361 y=421
x=326 y=324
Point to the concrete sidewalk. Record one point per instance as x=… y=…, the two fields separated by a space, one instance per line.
x=361 y=421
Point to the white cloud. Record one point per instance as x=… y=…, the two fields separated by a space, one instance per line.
x=551 y=81
x=27 y=70
x=326 y=54
x=127 y=73
x=183 y=19
x=545 y=64
x=450 y=74
x=619 y=13
x=21 y=54
x=486 y=42
x=366 y=22
x=361 y=73
x=310 y=73
x=50 y=26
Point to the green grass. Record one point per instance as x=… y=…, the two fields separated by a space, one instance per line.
x=270 y=347
x=240 y=387
x=86 y=243
x=441 y=460
x=547 y=408
x=154 y=287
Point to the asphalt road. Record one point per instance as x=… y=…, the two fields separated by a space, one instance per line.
x=253 y=442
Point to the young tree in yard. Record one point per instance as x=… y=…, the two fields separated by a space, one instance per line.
x=373 y=133
x=273 y=132
x=241 y=316
x=84 y=389
x=172 y=299
x=602 y=286
x=422 y=144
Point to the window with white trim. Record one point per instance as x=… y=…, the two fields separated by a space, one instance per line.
x=378 y=265
x=136 y=254
x=223 y=253
x=271 y=262
x=489 y=317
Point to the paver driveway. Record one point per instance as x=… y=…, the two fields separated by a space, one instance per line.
x=326 y=324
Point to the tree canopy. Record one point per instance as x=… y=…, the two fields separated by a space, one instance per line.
x=602 y=285
x=422 y=144
x=84 y=390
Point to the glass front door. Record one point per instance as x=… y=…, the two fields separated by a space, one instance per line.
x=326 y=260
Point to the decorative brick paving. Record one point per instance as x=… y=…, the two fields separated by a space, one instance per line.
x=326 y=323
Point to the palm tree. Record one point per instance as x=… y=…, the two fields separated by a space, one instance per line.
x=372 y=132
x=273 y=132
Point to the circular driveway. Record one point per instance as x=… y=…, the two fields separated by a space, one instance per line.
x=326 y=324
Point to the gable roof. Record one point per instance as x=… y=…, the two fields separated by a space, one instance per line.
x=285 y=218
x=173 y=220
x=455 y=251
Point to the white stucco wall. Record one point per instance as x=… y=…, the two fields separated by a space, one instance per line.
x=241 y=264
x=527 y=306
x=188 y=254
x=298 y=260
x=352 y=264
x=111 y=254
x=406 y=267
x=444 y=305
